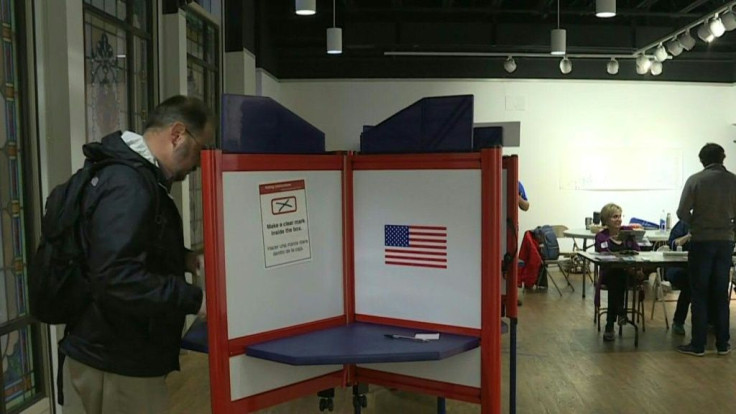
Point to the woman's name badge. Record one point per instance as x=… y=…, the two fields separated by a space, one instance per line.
x=604 y=245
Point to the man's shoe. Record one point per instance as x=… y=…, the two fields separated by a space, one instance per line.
x=608 y=335
x=724 y=350
x=690 y=350
x=678 y=328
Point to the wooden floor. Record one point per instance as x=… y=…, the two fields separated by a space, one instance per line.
x=563 y=367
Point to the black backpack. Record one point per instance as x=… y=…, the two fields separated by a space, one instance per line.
x=548 y=245
x=58 y=290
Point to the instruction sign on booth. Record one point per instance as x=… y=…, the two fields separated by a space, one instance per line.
x=284 y=220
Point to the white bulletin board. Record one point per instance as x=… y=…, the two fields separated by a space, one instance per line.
x=621 y=168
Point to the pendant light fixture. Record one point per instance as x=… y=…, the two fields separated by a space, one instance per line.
x=605 y=8
x=306 y=7
x=334 y=35
x=558 y=37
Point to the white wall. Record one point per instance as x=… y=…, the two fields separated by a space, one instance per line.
x=267 y=85
x=561 y=122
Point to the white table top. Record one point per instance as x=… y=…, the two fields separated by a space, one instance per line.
x=581 y=233
x=654 y=236
x=657 y=236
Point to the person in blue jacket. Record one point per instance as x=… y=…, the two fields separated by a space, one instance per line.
x=523 y=200
x=678 y=276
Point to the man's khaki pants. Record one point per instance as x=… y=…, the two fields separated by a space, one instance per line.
x=105 y=393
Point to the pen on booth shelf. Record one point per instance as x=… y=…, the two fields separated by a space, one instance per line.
x=411 y=338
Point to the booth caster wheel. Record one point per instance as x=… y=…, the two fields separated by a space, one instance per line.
x=326 y=399
x=326 y=404
x=359 y=399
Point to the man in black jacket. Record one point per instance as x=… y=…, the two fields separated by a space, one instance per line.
x=128 y=338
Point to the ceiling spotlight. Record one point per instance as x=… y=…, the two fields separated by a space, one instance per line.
x=674 y=47
x=565 y=66
x=612 y=66
x=716 y=26
x=605 y=8
x=306 y=7
x=510 y=65
x=643 y=64
x=656 y=68
x=687 y=40
x=705 y=34
x=559 y=42
x=660 y=53
x=729 y=20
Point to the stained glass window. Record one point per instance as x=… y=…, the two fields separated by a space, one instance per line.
x=213 y=7
x=118 y=50
x=20 y=378
x=203 y=76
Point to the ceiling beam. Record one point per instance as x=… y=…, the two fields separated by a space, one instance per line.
x=694 y=5
x=542 y=5
x=646 y=4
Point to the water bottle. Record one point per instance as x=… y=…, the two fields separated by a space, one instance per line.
x=669 y=221
x=662 y=221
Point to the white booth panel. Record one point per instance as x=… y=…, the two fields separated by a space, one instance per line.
x=463 y=369
x=440 y=198
x=251 y=376
x=262 y=299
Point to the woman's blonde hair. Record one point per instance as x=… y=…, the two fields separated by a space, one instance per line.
x=607 y=212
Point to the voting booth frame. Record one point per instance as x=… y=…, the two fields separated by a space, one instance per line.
x=249 y=303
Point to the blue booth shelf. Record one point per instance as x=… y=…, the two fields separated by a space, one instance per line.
x=359 y=343
x=196 y=337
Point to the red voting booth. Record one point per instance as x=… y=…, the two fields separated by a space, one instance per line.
x=305 y=252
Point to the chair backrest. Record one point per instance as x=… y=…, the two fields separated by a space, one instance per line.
x=559 y=230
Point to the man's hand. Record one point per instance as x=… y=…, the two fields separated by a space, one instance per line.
x=192 y=262
x=680 y=241
x=523 y=204
x=202 y=314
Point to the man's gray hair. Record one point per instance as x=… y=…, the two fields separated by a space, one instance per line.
x=189 y=110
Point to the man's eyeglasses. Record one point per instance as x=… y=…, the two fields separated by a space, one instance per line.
x=199 y=142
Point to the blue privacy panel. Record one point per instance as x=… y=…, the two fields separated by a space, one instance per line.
x=260 y=125
x=487 y=137
x=433 y=124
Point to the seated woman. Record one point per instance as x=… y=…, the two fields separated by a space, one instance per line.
x=679 y=237
x=607 y=240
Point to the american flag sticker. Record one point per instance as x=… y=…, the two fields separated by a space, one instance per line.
x=420 y=246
